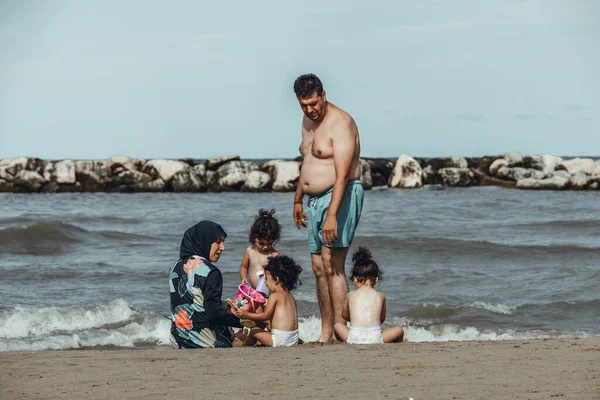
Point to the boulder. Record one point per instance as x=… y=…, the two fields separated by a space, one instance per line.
x=381 y=169
x=496 y=165
x=131 y=176
x=431 y=176
x=188 y=181
x=230 y=176
x=516 y=173
x=284 y=174
x=554 y=183
x=90 y=181
x=561 y=174
x=98 y=166
x=407 y=173
x=365 y=175
x=164 y=169
x=592 y=186
x=580 y=180
x=445 y=162
x=118 y=164
x=13 y=165
x=65 y=172
x=595 y=175
x=513 y=159
x=54 y=187
x=544 y=162
x=257 y=181
x=585 y=165
x=6 y=187
x=156 y=185
x=215 y=163
x=483 y=164
x=30 y=180
x=485 y=180
x=5 y=175
x=457 y=177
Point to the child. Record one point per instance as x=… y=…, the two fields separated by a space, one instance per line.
x=282 y=275
x=365 y=306
x=264 y=233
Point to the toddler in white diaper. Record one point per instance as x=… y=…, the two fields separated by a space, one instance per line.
x=281 y=276
x=365 y=306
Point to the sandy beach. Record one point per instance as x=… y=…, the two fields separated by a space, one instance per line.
x=526 y=369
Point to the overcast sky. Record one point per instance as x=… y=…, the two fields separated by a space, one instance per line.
x=155 y=79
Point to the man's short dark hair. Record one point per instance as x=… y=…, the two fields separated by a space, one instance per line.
x=307 y=84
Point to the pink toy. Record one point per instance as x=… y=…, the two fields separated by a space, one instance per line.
x=248 y=299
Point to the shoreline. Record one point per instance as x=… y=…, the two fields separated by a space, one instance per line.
x=527 y=369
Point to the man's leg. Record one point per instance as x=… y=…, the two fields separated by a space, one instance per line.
x=323 y=298
x=333 y=264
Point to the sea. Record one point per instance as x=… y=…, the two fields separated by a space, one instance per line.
x=80 y=271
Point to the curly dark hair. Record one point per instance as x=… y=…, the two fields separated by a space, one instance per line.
x=286 y=269
x=265 y=227
x=307 y=84
x=365 y=268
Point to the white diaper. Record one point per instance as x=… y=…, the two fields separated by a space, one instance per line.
x=284 y=338
x=361 y=335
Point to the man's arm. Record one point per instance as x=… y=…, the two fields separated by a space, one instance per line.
x=344 y=147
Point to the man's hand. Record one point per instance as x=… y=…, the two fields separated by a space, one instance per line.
x=299 y=216
x=330 y=234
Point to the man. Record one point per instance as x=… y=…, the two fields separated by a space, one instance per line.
x=330 y=177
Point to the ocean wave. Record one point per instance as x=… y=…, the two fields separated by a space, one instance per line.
x=563 y=224
x=429 y=246
x=54 y=237
x=28 y=218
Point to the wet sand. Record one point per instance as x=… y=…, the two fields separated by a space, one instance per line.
x=524 y=369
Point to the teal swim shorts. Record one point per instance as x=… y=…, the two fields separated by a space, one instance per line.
x=347 y=217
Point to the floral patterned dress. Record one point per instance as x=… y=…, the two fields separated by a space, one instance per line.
x=199 y=319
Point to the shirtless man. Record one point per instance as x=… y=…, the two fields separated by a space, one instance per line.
x=330 y=177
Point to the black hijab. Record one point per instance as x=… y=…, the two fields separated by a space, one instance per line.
x=198 y=239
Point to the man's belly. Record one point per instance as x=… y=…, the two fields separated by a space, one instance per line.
x=317 y=178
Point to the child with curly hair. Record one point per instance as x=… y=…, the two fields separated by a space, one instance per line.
x=264 y=233
x=282 y=275
x=365 y=306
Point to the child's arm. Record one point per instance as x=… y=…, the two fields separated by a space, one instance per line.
x=266 y=315
x=383 y=311
x=245 y=266
x=346 y=310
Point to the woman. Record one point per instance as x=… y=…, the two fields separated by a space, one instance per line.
x=199 y=319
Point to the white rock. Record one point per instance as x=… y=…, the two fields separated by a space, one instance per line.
x=454 y=162
x=230 y=176
x=166 y=168
x=513 y=159
x=585 y=165
x=157 y=185
x=215 y=162
x=256 y=181
x=554 y=183
x=29 y=179
x=580 y=180
x=496 y=165
x=596 y=172
x=13 y=165
x=516 y=173
x=560 y=174
x=457 y=176
x=65 y=172
x=431 y=176
x=365 y=175
x=544 y=162
x=98 y=166
x=188 y=181
x=285 y=174
x=407 y=173
x=120 y=163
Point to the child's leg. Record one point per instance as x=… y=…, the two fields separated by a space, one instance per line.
x=393 y=335
x=341 y=330
x=262 y=336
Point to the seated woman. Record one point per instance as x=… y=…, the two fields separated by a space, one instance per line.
x=198 y=317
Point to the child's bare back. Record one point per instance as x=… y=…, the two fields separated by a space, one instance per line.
x=366 y=307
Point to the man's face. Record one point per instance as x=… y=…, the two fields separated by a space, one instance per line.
x=314 y=106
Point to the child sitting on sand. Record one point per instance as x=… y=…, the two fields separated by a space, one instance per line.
x=282 y=275
x=264 y=233
x=365 y=306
